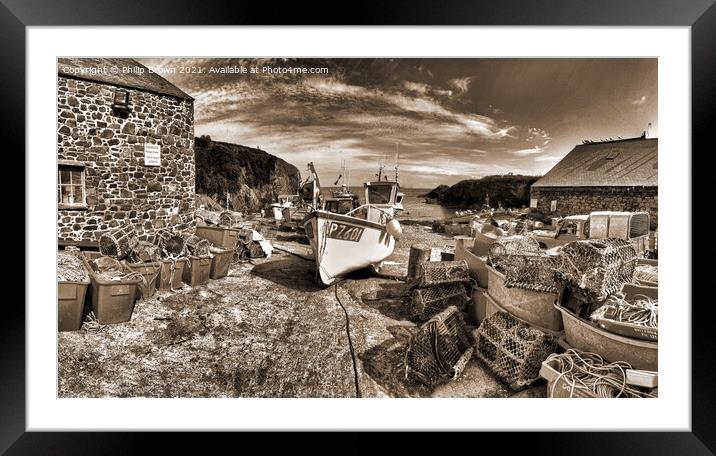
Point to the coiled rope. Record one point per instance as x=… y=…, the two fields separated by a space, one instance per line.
x=584 y=370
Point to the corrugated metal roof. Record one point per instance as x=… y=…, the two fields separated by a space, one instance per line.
x=120 y=72
x=624 y=163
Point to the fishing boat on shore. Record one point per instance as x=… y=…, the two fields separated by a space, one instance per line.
x=363 y=237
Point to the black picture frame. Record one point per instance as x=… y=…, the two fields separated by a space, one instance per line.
x=700 y=15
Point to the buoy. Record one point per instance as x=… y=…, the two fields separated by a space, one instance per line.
x=394 y=229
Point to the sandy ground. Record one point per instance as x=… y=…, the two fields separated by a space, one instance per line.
x=266 y=330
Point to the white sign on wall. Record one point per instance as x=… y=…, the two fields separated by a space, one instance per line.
x=152 y=155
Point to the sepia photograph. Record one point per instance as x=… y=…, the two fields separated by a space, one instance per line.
x=357 y=227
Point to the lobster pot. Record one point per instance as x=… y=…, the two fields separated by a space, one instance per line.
x=197 y=246
x=427 y=302
x=226 y=218
x=529 y=271
x=506 y=246
x=513 y=350
x=439 y=350
x=596 y=268
x=169 y=242
x=118 y=242
x=440 y=272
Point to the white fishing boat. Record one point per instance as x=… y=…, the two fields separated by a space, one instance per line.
x=363 y=237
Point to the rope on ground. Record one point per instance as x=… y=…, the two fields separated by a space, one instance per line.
x=350 y=342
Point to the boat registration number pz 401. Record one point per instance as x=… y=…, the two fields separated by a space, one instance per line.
x=345 y=232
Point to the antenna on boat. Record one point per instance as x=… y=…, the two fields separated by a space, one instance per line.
x=397 y=158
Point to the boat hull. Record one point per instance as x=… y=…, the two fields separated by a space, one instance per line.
x=342 y=244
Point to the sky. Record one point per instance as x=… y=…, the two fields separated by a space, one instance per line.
x=449 y=119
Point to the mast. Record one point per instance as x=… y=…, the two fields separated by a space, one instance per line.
x=397 y=157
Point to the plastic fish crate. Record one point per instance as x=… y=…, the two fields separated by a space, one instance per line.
x=197 y=270
x=476 y=265
x=71 y=303
x=557 y=387
x=534 y=307
x=150 y=272
x=220 y=264
x=112 y=300
x=170 y=274
x=225 y=238
x=586 y=336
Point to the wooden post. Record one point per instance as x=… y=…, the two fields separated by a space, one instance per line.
x=419 y=254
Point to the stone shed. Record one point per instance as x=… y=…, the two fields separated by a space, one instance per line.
x=617 y=175
x=125 y=149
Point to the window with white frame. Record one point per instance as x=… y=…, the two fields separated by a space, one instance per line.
x=71 y=186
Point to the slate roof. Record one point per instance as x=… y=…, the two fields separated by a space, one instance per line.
x=622 y=163
x=110 y=71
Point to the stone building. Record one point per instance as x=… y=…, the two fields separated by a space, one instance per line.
x=125 y=149
x=602 y=176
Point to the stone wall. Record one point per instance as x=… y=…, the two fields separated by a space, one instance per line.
x=583 y=200
x=120 y=189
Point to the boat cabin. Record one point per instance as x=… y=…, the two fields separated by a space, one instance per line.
x=342 y=204
x=381 y=198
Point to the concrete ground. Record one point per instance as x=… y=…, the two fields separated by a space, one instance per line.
x=266 y=330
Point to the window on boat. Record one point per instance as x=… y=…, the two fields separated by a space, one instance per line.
x=379 y=194
x=345 y=206
x=569 y=228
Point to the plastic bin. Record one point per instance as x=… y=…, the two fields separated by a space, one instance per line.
x=196 y=271
x=586 y=336
x=171 y=274
x=150 y=272
x=492 y=306
x=71 y=304
x=533 y=307
x=630 y=290
x=475 y=264
x=112 y=300
x=225 y=238
x=220 y=264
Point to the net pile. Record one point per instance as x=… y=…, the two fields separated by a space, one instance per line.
x=507 y=246
x=638 y=317
x=439 y=350
x=589 y=371
x=511 y=349
x=144 y=252
x=197 y=246
x=118 y=242
x=171 y=244
x=441 y=272
x=427 y=302
x=647 y=273
x=595 y=269
x=70 y=268
x=209 y=217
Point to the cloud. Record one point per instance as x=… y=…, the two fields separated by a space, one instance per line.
x=527 y=152
x=538 y=135
x=547 y=158
x=461 y=85
x=639 y=101
x=356 y=114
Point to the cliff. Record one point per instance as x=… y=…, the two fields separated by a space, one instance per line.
x=253 y=177
x=508 y=190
